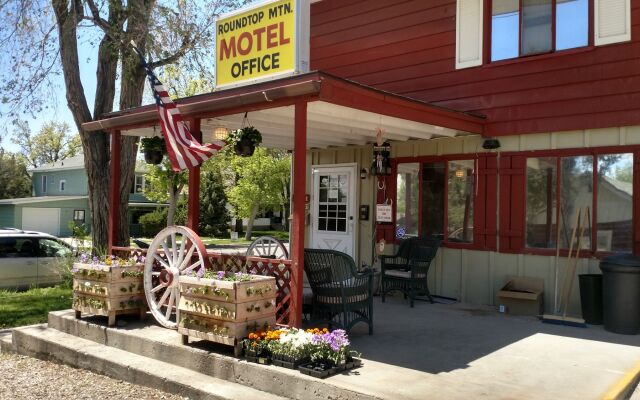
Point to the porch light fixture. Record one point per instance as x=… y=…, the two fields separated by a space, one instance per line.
x=459 y=173
x=363 y=173
x=491 y=144
x=221 y=133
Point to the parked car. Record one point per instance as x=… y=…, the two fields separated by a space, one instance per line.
x=30 y=258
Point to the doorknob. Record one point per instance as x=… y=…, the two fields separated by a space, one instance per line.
x=351 y=218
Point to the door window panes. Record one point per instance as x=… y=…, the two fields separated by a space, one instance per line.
x=576 y=193
x=433 y=201
x=505 y=25
x=460 y=192
x=572 y=24
x=615 y=203
x=536 y=26
x=407 y=200
x=332 y=202
x=541 y=202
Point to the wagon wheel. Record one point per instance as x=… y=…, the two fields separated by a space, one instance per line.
x=175 y=251
x=268 y=247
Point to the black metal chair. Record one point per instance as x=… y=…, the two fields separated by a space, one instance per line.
x=407 y=270
x=341 y=296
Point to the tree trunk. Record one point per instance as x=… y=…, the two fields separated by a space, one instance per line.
x=171 y=213
x=131 y=90
x=252 y=219
x=95 y=144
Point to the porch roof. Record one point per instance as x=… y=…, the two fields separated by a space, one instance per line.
x=340 y=112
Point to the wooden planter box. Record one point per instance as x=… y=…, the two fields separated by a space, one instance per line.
x=225 y=311
x=107 y=291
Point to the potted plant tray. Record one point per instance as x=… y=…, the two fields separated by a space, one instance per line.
x=322 y=370
x=288 y=362
x=224 y=311
x=108 y=291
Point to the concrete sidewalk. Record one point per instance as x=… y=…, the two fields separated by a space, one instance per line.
x=462 y=352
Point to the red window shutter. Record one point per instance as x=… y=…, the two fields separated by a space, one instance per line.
x=512 y=203
x=485 y=224
x=636 y=203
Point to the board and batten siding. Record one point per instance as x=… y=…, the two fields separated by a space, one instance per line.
x=409 y=48
x=475 y=276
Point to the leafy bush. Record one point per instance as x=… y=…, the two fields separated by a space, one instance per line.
x=155 y=221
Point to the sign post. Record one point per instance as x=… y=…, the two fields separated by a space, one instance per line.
x=266 y=41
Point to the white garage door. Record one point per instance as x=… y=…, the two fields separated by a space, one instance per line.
x=41 y=219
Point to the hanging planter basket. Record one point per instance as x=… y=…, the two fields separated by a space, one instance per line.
x=245 y=141
x=153 y=157
x=245 y=147
x=154 y=149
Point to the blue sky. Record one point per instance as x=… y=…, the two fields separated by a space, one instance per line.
x=58 y=110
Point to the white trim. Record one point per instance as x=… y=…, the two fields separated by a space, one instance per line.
x=40 y=199
x=611 y=13
x=469 y=25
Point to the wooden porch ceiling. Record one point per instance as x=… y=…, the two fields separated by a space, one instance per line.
x=340 y=113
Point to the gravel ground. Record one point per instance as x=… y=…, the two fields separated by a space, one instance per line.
x=29 y=378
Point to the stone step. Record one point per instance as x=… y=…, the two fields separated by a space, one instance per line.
x=51 y=344
x=158 y=343
x=6 y=341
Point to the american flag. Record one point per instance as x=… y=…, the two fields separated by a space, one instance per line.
x=185 y=152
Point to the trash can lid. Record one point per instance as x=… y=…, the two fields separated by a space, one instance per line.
x=621 y=263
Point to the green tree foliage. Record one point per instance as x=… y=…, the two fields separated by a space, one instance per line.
x=261 y=184
x=14 y=179
x=52 y=143
x=155 y=221
x=165 y=185
x=214 y=216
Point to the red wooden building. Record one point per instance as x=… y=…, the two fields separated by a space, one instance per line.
x=557 y=82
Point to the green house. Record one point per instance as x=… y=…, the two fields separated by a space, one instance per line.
x=60 y=195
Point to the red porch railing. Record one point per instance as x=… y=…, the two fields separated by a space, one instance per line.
x=279 y=269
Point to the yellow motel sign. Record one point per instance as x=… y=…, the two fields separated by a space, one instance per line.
x=266 y=41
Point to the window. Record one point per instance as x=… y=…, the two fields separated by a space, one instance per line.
x=78 y=216
x=12 y=247
x=53 y=248
x=63 y=183
x=44 y=183
x=557 y=187
x=138 y=184
x=407 y=201
x=528 y=27
x=436 y=198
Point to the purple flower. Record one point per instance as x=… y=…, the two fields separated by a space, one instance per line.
x=200 y=272
x=113 y=257
x=84 y=257
x=220 y=274
x=141 y=259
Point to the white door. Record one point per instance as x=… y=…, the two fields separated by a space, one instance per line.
x=333 y=208
x=45 y=220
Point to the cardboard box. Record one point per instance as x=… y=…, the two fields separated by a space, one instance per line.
x=522 y=296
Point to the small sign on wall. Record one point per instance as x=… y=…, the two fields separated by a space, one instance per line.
x=383 y=213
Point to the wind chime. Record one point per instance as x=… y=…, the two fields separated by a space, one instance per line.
x=381 y=168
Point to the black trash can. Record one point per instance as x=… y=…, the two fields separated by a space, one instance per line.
x=591 y=298
x=621 y=293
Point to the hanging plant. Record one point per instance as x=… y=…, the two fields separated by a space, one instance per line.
x=153 y=148
x=245 y=140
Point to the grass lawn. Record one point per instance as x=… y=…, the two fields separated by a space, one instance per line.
x=208 y=240
x=32 y=306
